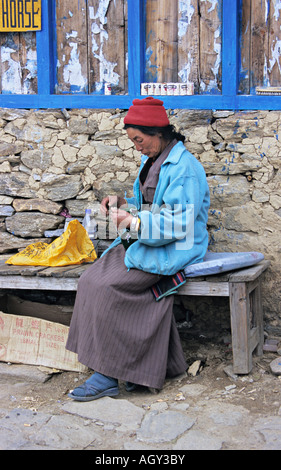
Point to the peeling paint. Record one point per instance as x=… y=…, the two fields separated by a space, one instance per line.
x=277 y=7
x=151 y=69
x=73 y=34
x=186 y=11
x=101 y=11
x=12 y=80
x=275 y=52
x=11 y=77
x=72 y=72
x=31 y=66
x=276 y=45
x=185 y=71
x=106 y=68
x=266 y=11
x=74 y=75
x=266 y=81
x=213 y=84
x=217 y=49
x=214 y=3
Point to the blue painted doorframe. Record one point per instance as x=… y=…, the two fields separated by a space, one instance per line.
x=229 y=98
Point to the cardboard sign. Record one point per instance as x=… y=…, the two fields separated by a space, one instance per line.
x=29 y=340
x=20 y=15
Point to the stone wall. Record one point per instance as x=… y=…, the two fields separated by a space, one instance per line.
x=55 y=162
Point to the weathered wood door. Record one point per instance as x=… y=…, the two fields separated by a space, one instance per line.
x=183 y=43
x=260 y=44
x=91 y=46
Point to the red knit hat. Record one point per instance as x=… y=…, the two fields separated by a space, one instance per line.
x=147 y=112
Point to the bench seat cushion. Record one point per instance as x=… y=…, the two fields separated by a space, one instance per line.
x=215 y=263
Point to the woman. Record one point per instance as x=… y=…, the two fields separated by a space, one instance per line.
x=118 y=329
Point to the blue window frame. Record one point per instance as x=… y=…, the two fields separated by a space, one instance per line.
x=228 y=99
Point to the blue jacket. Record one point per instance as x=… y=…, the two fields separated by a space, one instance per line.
x=173 y=232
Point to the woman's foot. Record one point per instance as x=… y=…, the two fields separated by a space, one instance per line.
x=95 y=387
x=130 y=386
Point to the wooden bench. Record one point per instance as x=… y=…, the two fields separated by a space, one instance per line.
x=243 y=287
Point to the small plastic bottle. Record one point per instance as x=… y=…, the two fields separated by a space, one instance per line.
x=90 y=225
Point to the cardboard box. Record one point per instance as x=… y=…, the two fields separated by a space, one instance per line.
x=29 y=340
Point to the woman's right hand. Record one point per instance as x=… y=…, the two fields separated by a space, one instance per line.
x=112 y=201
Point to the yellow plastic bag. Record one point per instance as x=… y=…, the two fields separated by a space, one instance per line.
x=72 y=247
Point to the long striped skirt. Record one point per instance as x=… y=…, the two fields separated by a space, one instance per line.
x=117 y=327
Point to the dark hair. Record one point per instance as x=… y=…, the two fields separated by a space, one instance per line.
x=168 y=132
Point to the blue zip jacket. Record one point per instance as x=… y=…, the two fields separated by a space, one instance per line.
x=173 y=231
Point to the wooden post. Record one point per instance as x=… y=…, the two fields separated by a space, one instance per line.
x=240 y=327
x=257 y=312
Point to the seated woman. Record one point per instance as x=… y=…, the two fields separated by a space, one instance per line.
x=118 y=329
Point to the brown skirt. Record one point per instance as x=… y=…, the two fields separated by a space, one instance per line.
x=117 y=327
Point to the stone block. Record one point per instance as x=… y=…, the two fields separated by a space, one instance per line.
x=228 y=191
x=23 y=225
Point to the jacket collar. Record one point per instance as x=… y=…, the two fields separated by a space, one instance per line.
x=173 y=156
x=175 y=153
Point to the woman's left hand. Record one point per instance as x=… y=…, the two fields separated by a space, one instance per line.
x=122 y=219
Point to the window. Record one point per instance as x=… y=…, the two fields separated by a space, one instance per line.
x=183 y=44
x=91 y=47
x=260 y=45
x=228 y=50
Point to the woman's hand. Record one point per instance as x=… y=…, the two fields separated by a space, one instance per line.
x=122 y=219
x=112 y=201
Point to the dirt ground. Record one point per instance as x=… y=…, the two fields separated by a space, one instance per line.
x=258 y=392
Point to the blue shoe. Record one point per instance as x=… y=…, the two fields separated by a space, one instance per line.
x=95 y=387
x=130 y=387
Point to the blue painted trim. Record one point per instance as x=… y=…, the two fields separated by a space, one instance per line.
x=230 y=47
x=240 y=102
x=229 y=99
x=46 y=50
x=53 y=51
x=135 y=39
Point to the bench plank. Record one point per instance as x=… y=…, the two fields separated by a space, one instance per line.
x=204 y=288
x=38 y=283
x=249 y=274
x=56 y=271
x=31 y=270
x=9 y=270
x=78 y=271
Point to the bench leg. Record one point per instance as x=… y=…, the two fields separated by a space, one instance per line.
x=258 y=318
x=246 y=324
x=240 y=327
